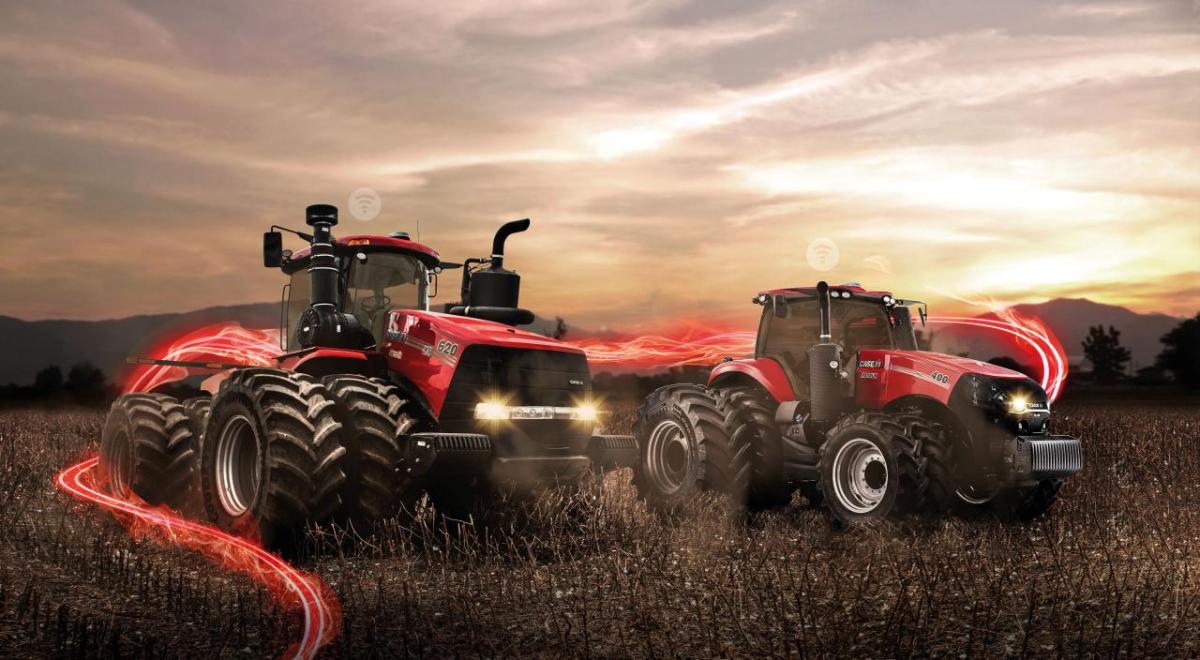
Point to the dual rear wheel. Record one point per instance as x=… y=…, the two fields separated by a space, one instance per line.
x=280 y=451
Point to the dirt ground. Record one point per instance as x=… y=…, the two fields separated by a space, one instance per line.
x=1113 y=570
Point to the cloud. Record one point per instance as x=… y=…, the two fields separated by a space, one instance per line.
x=688 y=149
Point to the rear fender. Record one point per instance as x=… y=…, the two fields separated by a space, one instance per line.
x=327 y=361
x=414 y=394
x=763 y=372
x=933 y=410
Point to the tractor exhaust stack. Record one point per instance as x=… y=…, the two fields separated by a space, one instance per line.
x=494 y=293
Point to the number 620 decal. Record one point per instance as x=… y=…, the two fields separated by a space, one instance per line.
x=448 y=347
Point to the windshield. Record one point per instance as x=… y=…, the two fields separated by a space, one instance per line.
x=855 y=324
x=385 y=281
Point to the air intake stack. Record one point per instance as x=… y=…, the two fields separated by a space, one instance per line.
x=322 y=264
x=324 y=323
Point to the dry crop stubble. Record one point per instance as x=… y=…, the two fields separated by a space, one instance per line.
x=1110 y=571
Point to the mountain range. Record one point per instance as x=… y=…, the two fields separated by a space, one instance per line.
x=28 y=346
x=1069 y=319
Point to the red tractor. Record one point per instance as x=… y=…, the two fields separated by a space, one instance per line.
x=839 y=402
x=374 y=401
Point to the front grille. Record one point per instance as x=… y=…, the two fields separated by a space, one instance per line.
x=1055 y=456
x=521 y=378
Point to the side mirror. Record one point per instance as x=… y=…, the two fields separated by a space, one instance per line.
x=779 y=303
x=272 y=249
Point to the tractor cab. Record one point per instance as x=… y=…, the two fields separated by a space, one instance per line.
x=376 y=274
x=859 y=320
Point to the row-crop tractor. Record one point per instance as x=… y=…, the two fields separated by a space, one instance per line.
x=839 y=403
x=373 y=401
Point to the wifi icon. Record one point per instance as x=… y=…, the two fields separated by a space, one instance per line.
x=822 y=254
x=365 y=204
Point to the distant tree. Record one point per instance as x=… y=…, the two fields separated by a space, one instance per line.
x=1105 y=352
x=1009 y=363
x=85 y=381
x=84 y=377
x=1181 y=353
x=48 y=381
x=1151 y=376
x=560 y=328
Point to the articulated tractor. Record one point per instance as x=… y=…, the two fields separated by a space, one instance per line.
x=374 y=399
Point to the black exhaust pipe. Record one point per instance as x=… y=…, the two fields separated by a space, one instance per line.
x=494 y=293
x=502 y=234
x=825 y=365
x=823 y=302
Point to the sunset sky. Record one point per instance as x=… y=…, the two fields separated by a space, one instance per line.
x=676 y=157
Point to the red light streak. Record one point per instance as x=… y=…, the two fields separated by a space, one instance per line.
x=691 y=344
x=684 y=344
x=1028 y=331
x=221 y=342
x=316 y=601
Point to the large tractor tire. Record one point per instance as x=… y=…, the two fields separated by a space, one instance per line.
x=272 y=461
x=149 y=448
x=871 y=466
x=198 y=408
x=948 y=493
x=756 y=422
x=688 y=443
x=375 y=416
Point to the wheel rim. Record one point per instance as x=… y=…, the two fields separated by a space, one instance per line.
x=860 y=475
x=237 y=465
x=973 y=495
x=668 y=456
x=121 y=467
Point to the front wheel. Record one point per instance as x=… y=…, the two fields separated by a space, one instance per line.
x=375 y=417
x=272 y=458
x=687 y=445
x=869 y=467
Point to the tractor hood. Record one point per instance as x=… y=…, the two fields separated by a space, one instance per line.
x=956 y=364
x=426 y=347
x=883 y=376
x=479 y=331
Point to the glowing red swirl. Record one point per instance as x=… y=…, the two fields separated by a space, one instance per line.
x=315 y=600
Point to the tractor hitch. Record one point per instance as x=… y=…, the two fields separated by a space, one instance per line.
x=475 y=453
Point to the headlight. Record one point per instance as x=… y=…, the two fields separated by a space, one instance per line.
x=491 y=410
x=587 y=412
x=1011 y=396
x=494 y=411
